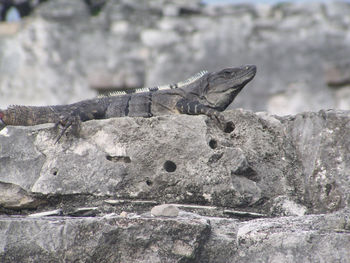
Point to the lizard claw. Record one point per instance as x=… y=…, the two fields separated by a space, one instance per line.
x=65 y=125
x=66 y=122
x=226 y=127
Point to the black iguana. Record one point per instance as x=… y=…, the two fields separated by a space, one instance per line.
x=207 y=93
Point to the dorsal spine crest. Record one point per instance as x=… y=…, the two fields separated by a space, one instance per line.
x=157 y=88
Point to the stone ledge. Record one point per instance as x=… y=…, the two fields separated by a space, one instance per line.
x=187 y=238
x=277 y=168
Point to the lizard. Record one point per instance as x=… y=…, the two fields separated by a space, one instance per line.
x=207 y=93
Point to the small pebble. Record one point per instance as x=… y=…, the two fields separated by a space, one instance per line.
x=123 y=214
x=165 y=210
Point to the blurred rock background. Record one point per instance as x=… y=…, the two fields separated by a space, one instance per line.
x=62 y=51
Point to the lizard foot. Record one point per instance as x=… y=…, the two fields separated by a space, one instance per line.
x=66 y=122
x=219 y=119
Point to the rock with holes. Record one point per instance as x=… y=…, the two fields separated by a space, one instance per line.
x=167 y=159
x=268 y=166
x=187 y=159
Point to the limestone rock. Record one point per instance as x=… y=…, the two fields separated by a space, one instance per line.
x=283 y=206
x=167 y=210
x=274 y=189
x=322 y=147
x=14 y=197
x=114 y=239
x=185 y=239
x=56 y=212
x=263 y=158
x=109 y=152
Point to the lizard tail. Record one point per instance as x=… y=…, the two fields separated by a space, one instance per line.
x=26 y=115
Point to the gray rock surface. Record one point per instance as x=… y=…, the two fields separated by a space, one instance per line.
x=62 y=53
x=12 y=196
x=168 y=210
x=112 y=239
x=313 y=238
x=276 y=189
x=155 y=159
x=187 y=239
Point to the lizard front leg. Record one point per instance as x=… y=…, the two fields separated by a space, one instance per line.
x=68 y=120
x=78 y=114
x=195 y=108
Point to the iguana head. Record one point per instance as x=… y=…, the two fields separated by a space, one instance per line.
x=218 y=89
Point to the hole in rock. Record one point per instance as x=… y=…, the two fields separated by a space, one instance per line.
x=54 y=171
x=125 y=159
x=213 y=144
x=149 y=182
x=169 y=166
x=229 y=127
x=328 y=189
x=215 y=157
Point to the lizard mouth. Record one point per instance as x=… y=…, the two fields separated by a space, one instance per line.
x=249 y=74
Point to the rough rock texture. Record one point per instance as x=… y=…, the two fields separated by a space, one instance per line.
x=276 y=189
x=169 y=159
x=61 y=53
x=312 y=238
x=165 y=210
x=112 y=239
x=317 y=238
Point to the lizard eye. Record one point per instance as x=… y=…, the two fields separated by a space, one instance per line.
x=227 y=73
